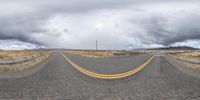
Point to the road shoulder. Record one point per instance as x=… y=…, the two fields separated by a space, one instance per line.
x=26 y=72
x=183 y=68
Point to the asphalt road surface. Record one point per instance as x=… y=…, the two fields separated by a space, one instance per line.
x=109 y=65
x=58 y=80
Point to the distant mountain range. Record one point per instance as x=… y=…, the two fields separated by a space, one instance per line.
x=176 y=48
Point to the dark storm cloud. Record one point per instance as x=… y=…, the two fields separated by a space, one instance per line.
x=22 y=29
x=24 y=20
x=21 y=26
x=166 y=31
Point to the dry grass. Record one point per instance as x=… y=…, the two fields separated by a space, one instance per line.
x=188 y=55
x=108 y=53
x=8 y=55
x=93 y=53
x=12 y=55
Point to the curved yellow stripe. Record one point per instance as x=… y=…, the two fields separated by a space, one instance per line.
x=108 y=76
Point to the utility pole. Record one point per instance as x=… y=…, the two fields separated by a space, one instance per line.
x=96 y=45
x=149 y=44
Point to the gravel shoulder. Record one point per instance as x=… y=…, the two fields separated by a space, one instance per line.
x=25 y=70
x=185 y=67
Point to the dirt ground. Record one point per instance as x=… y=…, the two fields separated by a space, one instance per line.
x=25 y=54
x=188 y=56
x=38 y=56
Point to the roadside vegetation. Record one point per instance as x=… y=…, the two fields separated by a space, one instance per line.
x=11 y=61
x=104 y=53
x=190 y=59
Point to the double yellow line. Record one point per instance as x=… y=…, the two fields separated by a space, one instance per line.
x=108 y=76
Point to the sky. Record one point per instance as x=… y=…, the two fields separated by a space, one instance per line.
x=115 y=24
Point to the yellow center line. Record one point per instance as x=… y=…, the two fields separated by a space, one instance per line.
x=108 y=76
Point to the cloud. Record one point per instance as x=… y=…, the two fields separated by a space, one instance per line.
x=192 y=43
x=166 y=30
x=116 y=24
x=17 y=45
x=21 y=29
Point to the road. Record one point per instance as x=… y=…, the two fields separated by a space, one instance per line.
x=109 y=65
x=59 y=80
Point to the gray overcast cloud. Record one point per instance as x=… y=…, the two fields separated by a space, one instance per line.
x=116 y=24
